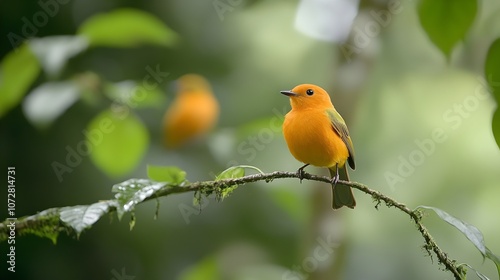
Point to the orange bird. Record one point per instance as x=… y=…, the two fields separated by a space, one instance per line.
x=192 y=114
x=316 y=134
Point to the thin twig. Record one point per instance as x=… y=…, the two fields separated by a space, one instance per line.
x=208 y=187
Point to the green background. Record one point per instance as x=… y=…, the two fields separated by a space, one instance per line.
x=396 y=93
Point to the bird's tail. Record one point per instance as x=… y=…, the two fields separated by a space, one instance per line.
x=341 y=194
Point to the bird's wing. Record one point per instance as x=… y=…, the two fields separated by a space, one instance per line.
x=340 y=127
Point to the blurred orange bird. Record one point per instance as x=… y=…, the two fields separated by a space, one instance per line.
x=192 y=114
x=316 y=134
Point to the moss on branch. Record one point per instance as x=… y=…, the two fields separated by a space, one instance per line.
x=51 y=222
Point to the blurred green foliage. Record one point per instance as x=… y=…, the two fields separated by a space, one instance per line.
x=19 y=70
x=126 y=28
x=116 y=142
x=394 y=92
x=447 y=22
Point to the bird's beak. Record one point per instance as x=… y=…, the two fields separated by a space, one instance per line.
x=288 y=93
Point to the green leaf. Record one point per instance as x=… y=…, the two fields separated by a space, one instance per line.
x=82 y=217
x=126 y=28
x=170 y=174
x=495 y=126
x=236 y=172
x=471 y=232
x=495 y=259
x=53 y=52
x=446 y=22
x=231 y=172
x=479 y=274
x=18 y=71
x=133 y=191
x=492 y=69
x=48 y=101
x=116 y=141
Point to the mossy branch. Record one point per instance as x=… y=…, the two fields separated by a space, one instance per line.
x=50 y=222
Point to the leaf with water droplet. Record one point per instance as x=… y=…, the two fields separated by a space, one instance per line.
x=133 y=191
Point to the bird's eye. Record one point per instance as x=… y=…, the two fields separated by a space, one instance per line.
x=309 y=92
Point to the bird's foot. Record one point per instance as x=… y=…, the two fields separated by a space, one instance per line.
x=335 y=179
x=301 y=173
